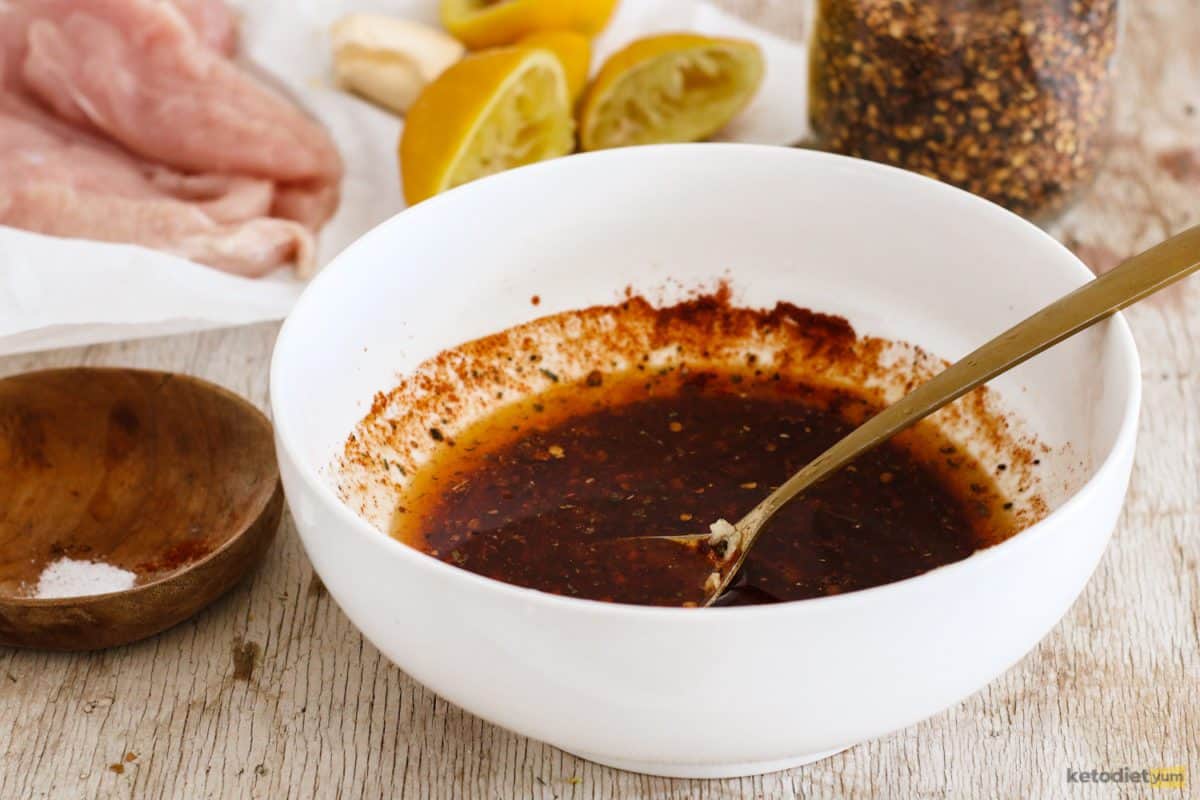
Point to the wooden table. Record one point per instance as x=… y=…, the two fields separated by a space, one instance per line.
x=272 y=693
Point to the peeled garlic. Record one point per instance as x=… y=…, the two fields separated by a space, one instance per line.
x=721 y=531
x=388 y=60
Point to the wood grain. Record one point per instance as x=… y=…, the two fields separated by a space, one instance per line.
x=271 y=693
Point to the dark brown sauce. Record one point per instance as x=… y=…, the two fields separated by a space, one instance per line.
x=534 y=494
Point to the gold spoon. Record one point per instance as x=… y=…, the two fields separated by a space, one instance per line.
x=1137 y=278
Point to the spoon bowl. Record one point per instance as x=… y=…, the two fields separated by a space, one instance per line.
x=166 y=476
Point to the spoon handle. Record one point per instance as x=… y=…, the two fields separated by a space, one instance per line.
x=1136 y=278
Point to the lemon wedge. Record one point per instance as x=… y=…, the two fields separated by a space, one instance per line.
x=669 y=88
x=487 y=23
x=574 y=52
x=487 y=113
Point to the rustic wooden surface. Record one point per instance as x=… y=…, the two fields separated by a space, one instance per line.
x=272 y=693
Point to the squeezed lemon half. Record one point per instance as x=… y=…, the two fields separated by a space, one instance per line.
x=574 y=52
x=669 y=88
x=487 y=23
x=489 y=112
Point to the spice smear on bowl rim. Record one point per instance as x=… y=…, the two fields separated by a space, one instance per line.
x=704 y=331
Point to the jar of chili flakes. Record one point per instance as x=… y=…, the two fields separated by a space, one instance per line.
x=1008 y=99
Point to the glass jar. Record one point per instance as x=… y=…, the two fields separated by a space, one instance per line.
x=1009 y=99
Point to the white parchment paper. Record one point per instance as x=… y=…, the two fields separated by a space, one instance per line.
x=58 y=292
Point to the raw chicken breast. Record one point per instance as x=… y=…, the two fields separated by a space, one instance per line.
x=213 y=22
x=137 y=71
x=251 y=248
x=63 y=182
x=125 y=120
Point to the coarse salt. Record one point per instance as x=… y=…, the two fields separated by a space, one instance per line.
x=70 y=578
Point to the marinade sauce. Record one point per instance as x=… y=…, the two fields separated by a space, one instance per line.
x=540 y=493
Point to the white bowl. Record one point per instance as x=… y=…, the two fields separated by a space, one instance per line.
x=714 y=692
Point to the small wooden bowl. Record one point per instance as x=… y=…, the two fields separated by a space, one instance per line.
x=164 y=475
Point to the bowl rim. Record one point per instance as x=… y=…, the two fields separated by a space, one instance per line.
x=1123 y=444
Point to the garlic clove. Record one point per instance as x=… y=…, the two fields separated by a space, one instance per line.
x=389 y=60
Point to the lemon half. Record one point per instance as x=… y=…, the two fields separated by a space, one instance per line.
x=669 y=88
x=487 y=23
x=574 y=52
x=489 y=112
